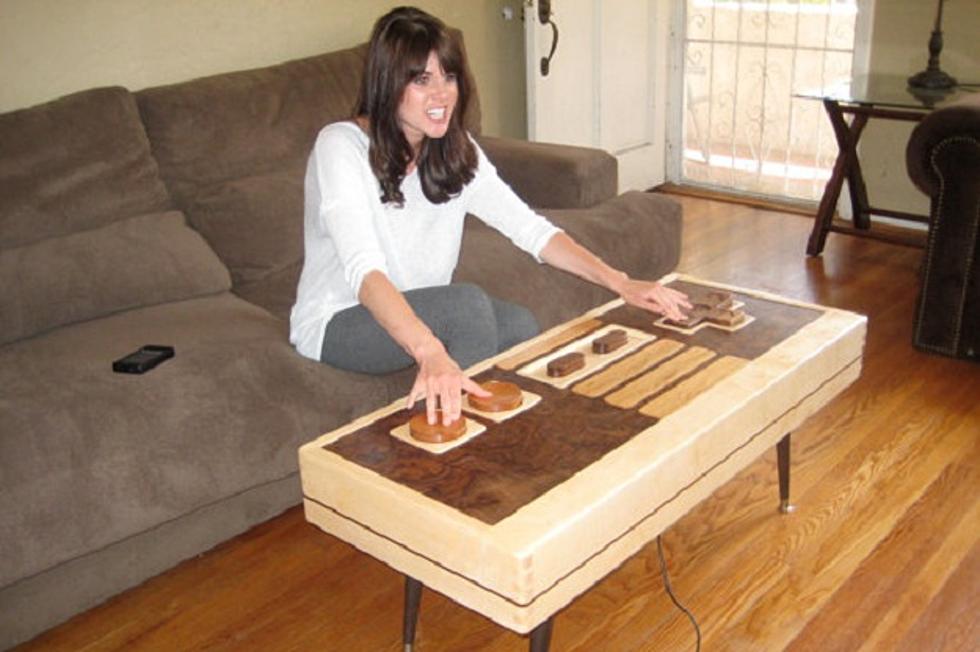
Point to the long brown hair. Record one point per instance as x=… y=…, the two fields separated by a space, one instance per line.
x=398 y=52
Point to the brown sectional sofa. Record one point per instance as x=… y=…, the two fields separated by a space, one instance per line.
x=174 y=216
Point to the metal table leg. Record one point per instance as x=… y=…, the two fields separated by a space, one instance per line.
x=541 y=636
x=413 y=596
x=782 y=461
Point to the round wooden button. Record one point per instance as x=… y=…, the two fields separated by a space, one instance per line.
x=503 y=396
x=421 y=430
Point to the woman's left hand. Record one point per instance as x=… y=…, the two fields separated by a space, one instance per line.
x=654 y=297
x=564 y=253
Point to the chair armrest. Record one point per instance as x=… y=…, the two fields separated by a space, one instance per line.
x=553 y=176
x=958 y=120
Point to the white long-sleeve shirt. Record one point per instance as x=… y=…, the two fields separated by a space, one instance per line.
x=348 y=232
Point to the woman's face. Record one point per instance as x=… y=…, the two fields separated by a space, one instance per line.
x=427 y=103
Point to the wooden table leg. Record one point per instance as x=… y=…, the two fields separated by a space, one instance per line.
x=846 y=166
x=847 y=140
x=540 y=639
x=413 y=596
x=782 y=462
x=541 y=636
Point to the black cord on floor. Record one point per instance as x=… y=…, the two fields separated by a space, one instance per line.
x=673 y=598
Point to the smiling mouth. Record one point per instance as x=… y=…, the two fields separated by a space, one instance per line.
x=436 y=114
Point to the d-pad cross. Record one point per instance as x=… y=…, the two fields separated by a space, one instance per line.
x=716 y=307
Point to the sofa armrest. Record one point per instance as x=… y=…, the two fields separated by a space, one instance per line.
x=960 y=120
x=553 y=176
x=637 y=232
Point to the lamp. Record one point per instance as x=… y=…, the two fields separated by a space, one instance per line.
x=932 y=77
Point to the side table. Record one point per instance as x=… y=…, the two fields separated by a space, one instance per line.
x=865 y=97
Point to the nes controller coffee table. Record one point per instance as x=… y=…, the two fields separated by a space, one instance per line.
x=532 y=506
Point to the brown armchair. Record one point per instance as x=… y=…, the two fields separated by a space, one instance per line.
x=943 y=160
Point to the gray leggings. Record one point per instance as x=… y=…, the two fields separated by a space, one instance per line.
x=471 y=324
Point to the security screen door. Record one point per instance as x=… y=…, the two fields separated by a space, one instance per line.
x=606 y=84
x=741 y=129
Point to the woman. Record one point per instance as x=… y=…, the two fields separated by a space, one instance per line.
x=386 y=194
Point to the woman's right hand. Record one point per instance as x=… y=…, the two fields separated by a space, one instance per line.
x=441 y=383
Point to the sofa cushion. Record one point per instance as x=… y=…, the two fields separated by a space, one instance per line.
x=196 y=127
x=89 y=457
x=249 y=122
x=546 y=175
x=252 y=222
x=275 y=292
x=245 y=194
x=136 y=262
x=73 y=164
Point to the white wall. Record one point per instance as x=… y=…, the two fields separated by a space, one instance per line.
x=52 y=47
x=49 y=48
x=899 y=46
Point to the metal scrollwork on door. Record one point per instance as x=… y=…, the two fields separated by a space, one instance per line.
x=742 y=126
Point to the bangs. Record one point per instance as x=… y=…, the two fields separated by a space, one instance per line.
x=449 y=55
x=417 y=49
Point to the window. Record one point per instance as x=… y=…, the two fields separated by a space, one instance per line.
x=741 y=129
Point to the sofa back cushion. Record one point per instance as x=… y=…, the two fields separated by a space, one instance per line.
x=140 y=261
x=86 y=226
x=73 y=164
x=232 y=149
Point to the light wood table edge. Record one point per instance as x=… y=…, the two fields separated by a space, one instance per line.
x=621 y=549
x=382 y=508
x=759 y=294
x=524 y=600
x=508 y=549
x=522 y=618
x=456 y=587
x=572 y=538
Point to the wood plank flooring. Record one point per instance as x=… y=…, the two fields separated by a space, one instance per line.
x=883 y=552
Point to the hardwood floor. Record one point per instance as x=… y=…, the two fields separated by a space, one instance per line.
x=883 y=552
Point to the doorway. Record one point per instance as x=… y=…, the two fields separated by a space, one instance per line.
x=605 y=83
x=739 y=128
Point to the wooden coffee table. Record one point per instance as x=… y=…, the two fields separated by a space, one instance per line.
x=527 y=511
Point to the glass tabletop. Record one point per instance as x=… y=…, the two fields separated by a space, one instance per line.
x=884 y=91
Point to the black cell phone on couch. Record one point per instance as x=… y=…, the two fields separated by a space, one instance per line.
x=143 y=359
